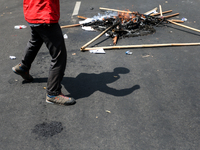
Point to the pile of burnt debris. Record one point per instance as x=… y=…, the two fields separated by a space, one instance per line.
x=119 y=24
x=126 y=24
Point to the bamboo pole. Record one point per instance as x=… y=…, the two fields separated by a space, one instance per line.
x=160 y=7
x=184 y=26
x=169 y=16
x=84 y=46
x=144 y=46
x=164 y=12
x=151 y=11
x=123 y=11
x=69 y=26
x=175 y=20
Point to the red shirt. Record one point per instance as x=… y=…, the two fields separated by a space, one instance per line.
x=41 y=11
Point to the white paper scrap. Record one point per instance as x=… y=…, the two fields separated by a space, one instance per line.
x=87 y=28
x=98 y=51
x=12 y=57
x=65 y=36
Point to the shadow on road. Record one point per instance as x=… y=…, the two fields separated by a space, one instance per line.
x=86 y=84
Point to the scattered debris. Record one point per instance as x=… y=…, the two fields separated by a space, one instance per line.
x=65 y=36
x=128 y=53
x=20 y=27
x=108 y=111
x=119 y=24
x=12 y=57
x=184 y=19
x=98 y=51
x=44 y=88
x=73 y=54
x=87 y=28
x=145 y=56
x=125 y=24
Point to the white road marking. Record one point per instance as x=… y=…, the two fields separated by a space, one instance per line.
x=76 y=8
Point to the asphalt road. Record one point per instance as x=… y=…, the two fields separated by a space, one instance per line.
x=145 y=101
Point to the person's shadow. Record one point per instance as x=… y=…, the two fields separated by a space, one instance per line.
x=86 y=84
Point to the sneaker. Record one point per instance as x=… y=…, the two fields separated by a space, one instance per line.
x=60 y=99
x=24 y=74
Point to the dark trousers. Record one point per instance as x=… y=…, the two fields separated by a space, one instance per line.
x=52 y=36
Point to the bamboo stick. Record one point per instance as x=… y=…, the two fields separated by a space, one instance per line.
x=164 y=12
x=123 y=11
x=69 y=26
x=169 y=16
x=81 y=17
x=160 y=7
x=175 y=20
x=184 y=26
x=146 y=13
x=84 y=46
x=144 y=46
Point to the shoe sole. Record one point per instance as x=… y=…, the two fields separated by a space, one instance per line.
x=13 y=69
x=49 y=102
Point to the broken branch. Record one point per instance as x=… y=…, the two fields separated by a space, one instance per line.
x=144 y=46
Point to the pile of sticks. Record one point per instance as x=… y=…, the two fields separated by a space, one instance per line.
x=148 y=15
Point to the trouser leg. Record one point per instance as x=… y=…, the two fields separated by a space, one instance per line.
x=53 y=38
x=32 y=48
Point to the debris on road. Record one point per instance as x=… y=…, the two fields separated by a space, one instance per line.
x=129 y=53
x=108 y=111
x=65 y=36
x=98 y=51
x=184 y=19
x=12 y=57
x=20 y=27
x=119 y=24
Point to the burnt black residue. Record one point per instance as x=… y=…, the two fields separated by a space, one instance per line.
x=48 y=129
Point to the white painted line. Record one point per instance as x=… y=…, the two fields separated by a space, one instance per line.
x=76 y=8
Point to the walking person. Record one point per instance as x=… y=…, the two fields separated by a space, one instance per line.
x=43 y=17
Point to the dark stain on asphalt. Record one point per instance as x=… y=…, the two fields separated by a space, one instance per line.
x=48 y=129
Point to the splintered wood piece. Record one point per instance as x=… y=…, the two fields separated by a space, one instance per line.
x=69 y=26
x=81 y=17
x=184 y=26
x=115 y=40
x=144 y=46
